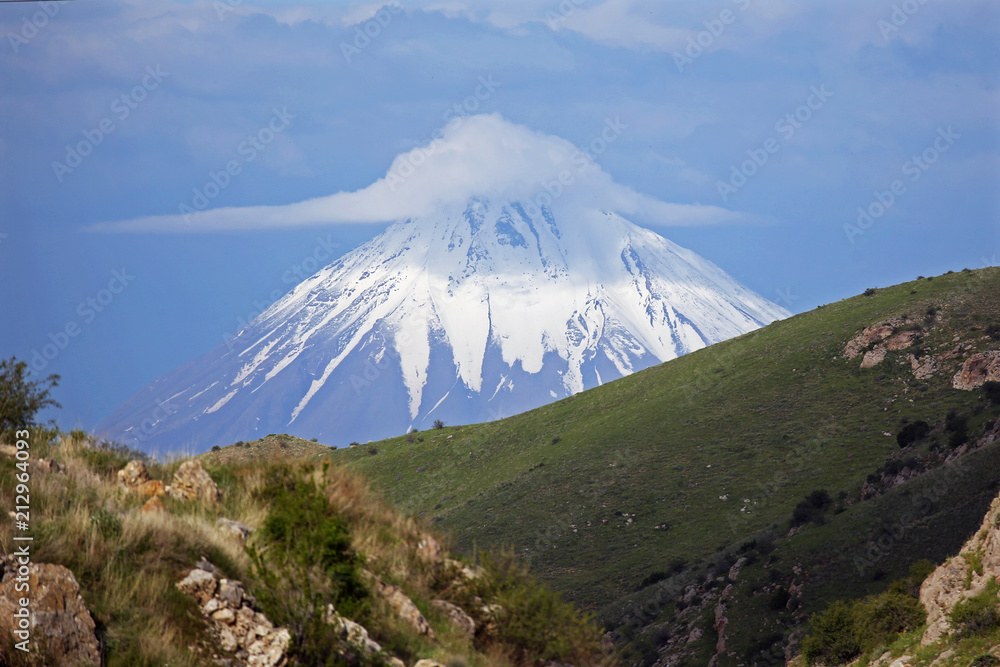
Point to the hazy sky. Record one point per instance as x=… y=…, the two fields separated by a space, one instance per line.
x=750 y=131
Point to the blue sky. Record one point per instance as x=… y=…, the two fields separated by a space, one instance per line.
x=750 y=131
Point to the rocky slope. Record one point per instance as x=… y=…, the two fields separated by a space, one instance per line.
x=187 y=565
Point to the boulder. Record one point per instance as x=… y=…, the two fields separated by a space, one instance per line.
x=133 y=474
x=456 y=615
x=152 y=487
x=49 y=466
x=428 y=663
x=873 y=357
x=191 y=482
x=353 y=633
x=923 y=367
x=199 y=585
x=237 y=529
x=404 y=607
x=873 y=334
x=978 y=369
x=902 y=340
x=59 y=618
x=238 y=626
x=153 y=505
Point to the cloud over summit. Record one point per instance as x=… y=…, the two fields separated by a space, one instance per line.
x=483 y=156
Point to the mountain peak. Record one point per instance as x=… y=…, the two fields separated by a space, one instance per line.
x=483 y=309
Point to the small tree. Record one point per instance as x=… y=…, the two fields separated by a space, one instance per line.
x=438 y=424
x=21 y=397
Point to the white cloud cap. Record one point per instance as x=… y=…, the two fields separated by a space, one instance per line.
x=477 y=156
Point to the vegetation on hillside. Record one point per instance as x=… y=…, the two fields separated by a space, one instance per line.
x=715 y=457
x=319 y=532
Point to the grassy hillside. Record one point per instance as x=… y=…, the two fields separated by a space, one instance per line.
x=616 y=487
x=319 y=535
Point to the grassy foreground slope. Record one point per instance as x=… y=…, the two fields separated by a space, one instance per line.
x=607 y=488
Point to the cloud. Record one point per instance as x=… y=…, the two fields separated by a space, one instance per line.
x=483 y=156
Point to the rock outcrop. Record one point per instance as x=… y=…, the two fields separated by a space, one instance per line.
x=403 y=607
x=873 y=357
x=238 y=530
x=963 y=576
x=457 y=616
x=192 y=482
x=58 y=618
x=241 y=629
x=977 y=370
x=135 y=477
x=356 y=637
x=876 y=333
x=133 y=474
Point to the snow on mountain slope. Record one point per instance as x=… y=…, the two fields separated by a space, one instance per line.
x=481 y=310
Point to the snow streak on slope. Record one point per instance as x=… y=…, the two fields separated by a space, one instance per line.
x=482 y=310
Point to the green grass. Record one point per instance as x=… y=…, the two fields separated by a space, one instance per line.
x=603 y=489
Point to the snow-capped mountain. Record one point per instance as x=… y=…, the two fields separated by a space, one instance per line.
x=479 y=311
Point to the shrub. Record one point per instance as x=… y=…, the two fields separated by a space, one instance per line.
x=913 y=432
x=21 y=397
x=977 y=614
x=650 y=579
x=878 y=619
x=831 y=639
x=993 y=331
x=812 y=508
x=438 y=424
x=303 y=561
x=985 y=660
x=846 y=630
x=820 y=499
x=955 y=422
x=216 y=448
x=536 y=625
x=991 y=390
x=779 y=600
x=870 y=291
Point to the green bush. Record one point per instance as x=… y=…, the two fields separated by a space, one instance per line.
x=535 y=624
x=20 y=397
x=977 y=614
x=985 y=660
x=303 y=561
x=849 y=629
x=878 y=619
x=912 y=433
x=831 y=639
